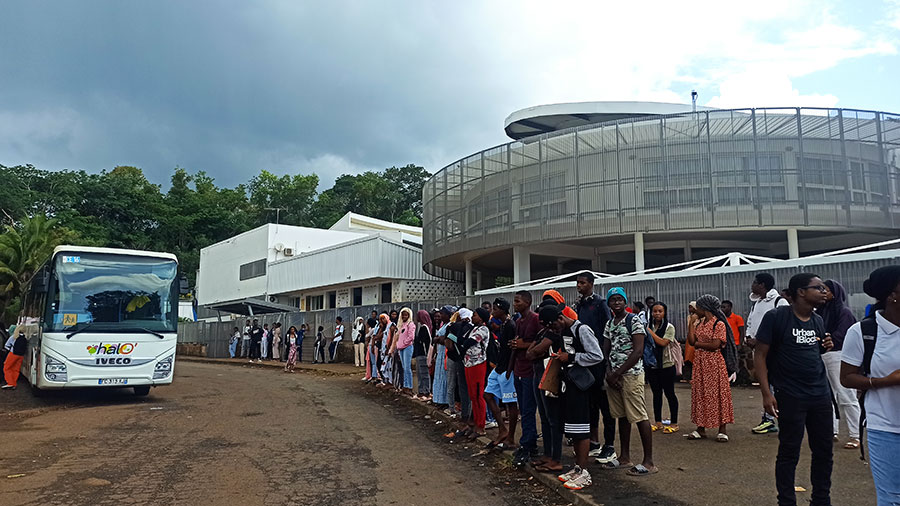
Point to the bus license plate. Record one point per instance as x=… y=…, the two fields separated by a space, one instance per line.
x=113 y=381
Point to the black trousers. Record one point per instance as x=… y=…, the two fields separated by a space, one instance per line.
x=815 y=416
x=663 y=381
x=599 y=405
x=254 y=349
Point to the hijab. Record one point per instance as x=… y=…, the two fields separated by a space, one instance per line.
x=712 y=304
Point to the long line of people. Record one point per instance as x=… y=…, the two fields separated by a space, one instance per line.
x=581 y=370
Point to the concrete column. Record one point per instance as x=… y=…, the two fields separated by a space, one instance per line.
x=688 y=256
x=639 y=251
x=793 y=243
x=469 y=277
x=478 y=281
x=559 y=266
x=521 y=265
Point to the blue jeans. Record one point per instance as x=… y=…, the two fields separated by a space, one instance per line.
x=406 y=361
x=527 y=408
x=883 y=449
x=232 y=348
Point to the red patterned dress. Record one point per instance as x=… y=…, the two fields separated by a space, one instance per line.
x=711 y=404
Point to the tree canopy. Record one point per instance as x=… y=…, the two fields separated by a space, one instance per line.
x=121 y=208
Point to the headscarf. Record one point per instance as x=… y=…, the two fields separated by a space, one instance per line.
x=712 y=304
x=448 y=309
x=465 y=313
x=555 y=296
x=484 y=314
x=616 y=290
x=424 y=319
x=831 y=311
x=881 y=283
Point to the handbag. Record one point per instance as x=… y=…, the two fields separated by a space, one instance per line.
x=580 y=377
x=550 y=381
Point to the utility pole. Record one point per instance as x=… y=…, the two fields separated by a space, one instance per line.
x=277 y=212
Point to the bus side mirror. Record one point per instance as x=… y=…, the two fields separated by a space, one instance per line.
x=41 y=281
x=184 y=287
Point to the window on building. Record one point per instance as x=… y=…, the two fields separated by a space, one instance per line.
x=357 y=296
x=387 y=293
x=332 y=300
x=253 y=269
x=315 y=302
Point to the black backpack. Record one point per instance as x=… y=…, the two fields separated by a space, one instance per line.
x=869 y=328
x=493 y=349
x=729 y=351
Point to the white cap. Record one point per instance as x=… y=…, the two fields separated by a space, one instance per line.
x=465 y=314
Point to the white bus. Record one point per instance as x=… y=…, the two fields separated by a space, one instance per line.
x=101 y=317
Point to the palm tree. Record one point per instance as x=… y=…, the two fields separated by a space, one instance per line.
x=22 y=251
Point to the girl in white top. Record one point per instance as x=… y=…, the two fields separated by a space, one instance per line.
x=882 y=384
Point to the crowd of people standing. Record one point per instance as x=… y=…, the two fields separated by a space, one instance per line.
x=581 y=369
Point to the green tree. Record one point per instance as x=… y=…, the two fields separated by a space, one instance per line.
x=294 y=195
x=22 y=251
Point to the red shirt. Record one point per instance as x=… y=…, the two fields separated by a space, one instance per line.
x=527 y=328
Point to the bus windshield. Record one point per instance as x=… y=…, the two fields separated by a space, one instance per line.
x=112 y=293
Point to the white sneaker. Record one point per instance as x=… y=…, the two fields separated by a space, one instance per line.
x=582 y=480
x=490 y=425
x=567 y=477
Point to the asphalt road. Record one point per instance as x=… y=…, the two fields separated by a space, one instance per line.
x=245 y=436
x=223 y=434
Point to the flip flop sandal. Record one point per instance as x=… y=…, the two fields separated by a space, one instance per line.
x=640 y=470
x=490 y=446
x=668 y=429
x=694 y=435
x=853 y=444
x=611 y=465
x=722 y=438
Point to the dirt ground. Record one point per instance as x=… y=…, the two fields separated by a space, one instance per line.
x=223 y=434
x=245 y=436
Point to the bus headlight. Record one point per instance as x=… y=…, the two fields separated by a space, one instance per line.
x=163 y=368
x=54 y=370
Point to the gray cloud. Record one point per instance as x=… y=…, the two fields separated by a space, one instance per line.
x=333 y=87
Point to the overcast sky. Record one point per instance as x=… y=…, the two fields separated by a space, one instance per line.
x=341 y=87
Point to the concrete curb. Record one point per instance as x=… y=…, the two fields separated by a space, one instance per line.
x=548 y=480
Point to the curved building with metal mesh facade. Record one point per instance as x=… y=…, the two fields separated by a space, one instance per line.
x=636 y=192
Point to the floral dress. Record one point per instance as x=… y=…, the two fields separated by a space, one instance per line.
x=711 y=404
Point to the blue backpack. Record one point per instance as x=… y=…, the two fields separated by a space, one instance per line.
x=650 y=361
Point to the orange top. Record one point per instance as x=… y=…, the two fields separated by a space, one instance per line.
x=736 y=322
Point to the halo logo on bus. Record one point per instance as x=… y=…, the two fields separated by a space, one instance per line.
x=111 y=349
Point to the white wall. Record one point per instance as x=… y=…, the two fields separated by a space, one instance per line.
x=219 y=276
x=370 y=294
x=218 y=279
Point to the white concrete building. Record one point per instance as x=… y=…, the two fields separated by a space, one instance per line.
x=358 y=261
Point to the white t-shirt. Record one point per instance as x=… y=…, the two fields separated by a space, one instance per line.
x=338 y=333
x=246 y=334
x=882 y=404
x=760 y=308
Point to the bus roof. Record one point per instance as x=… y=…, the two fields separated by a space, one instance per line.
x=112 y=251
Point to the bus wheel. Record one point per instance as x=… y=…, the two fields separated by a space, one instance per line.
x=37 y=392
x=142 y=390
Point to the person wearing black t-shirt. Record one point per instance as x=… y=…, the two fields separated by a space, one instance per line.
x=593 y=311
x=790 y=341
x=500 y=392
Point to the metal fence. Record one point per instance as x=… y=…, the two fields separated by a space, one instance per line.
x=718 y=169
x=675 y=290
